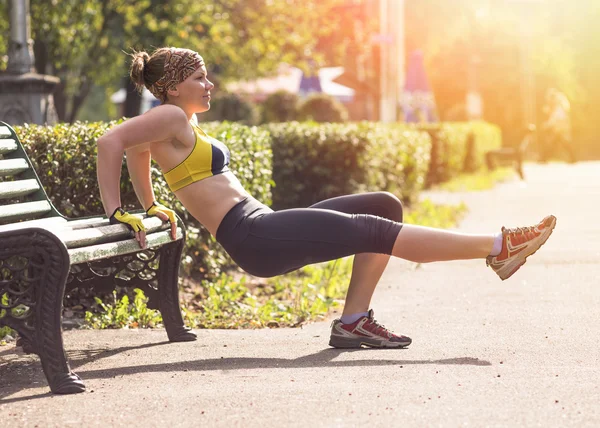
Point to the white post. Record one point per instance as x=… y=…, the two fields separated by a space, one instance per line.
x=384 y=92
x=391 y=30
x=399 y=54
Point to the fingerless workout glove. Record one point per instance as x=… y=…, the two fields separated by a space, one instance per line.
x=156 y=208
x=134 y=222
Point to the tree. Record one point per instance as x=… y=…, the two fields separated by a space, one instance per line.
x=452 y=33
x=3 y=36
x=82 y=41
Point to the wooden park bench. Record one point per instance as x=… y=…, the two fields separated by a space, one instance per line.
x=511 y=155
x=43 y=253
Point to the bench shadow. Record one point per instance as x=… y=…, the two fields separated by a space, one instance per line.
x=22 y=375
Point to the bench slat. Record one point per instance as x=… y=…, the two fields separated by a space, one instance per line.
x=7 y=145
x=13 y=189
x=86 y=232
x=13 y=166
x=4 y=131
x=45 y=223
x=87 y=236
x=103 y=251
x=27 y=209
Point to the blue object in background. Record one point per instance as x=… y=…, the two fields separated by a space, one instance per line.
x=310 y=84
x=418 y=102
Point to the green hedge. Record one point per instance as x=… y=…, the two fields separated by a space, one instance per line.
x=397 y=160
x=312 y=162
x=459 y=147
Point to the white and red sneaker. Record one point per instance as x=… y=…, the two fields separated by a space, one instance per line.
x=518 y=244
x=365 y=331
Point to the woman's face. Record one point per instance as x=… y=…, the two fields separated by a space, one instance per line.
x=194 y=92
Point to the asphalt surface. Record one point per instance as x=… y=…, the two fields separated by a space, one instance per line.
x=523 y=352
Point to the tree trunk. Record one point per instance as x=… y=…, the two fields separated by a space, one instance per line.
x=84 y=91
x=133 y=100
x=40 y=54
x=60 y=101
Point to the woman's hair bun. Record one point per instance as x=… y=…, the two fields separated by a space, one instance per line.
x=138 y=64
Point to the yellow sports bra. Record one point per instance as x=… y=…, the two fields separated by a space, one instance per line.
x=208 y=157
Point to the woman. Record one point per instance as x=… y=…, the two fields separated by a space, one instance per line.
x=267 y=243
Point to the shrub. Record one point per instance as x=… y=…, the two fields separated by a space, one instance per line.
x=322 y=108
x=459 y=147
x=314 y=162
x=232 y=108
x=281 y=106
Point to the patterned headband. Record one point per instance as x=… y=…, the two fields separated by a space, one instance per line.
x=179 y=65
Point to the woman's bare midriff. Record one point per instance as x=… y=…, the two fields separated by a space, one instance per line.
x=210 y=199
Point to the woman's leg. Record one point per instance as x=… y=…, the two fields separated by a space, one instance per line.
x=367 y=267
x=274 y=243
x=424 y=244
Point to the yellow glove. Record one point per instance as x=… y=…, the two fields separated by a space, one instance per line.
x=134 y=222
x=156 y=208
x=160 y=211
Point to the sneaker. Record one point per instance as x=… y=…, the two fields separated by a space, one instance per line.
x=365 y=331
x=518 y=244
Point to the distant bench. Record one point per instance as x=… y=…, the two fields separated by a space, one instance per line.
x=511 y=155
x=42 y=253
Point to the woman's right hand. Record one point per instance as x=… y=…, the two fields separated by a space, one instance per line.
x=134 y=223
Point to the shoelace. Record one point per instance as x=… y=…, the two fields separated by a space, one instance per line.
x=520 y=230
x=380 y=327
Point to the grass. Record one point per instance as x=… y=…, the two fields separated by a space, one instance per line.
x=481 y=180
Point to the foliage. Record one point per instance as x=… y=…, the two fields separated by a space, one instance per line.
x=396 y=160
x=233 y=108
x=482 y=180
x=312 y=162
x=458 y=148
x=5 y=331
x=280 y=106
x=287 y=300
x=553 y=43
x=64 y=157
x=122 y=313
x=82 y=41
x=426 y=213
x=321 y=107
x=4 y=28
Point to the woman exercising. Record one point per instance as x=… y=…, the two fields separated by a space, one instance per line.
x=267 y=243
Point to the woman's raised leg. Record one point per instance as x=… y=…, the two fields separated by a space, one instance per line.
x=425 y=244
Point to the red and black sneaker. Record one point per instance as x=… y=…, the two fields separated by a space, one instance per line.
x=365 y=331
x=518 y=244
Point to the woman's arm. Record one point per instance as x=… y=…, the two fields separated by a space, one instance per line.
x=161 y=123
x=138 y=165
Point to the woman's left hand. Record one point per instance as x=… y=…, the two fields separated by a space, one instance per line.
x=165 y=214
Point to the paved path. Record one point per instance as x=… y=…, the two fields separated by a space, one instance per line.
x=523 y=352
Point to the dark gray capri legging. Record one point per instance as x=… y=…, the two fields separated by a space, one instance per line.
x=267 y=243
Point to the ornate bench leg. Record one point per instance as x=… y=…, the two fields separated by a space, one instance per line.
x=41 y=286
x=170 y=260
